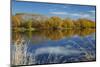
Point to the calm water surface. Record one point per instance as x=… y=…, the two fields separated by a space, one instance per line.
x=53 y=46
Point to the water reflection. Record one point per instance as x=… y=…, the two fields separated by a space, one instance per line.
x=53 y=34
x=53 y=46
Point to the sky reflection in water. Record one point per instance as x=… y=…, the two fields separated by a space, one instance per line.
x=46 y=47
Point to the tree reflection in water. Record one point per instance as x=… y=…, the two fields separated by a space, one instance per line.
x=21 y=41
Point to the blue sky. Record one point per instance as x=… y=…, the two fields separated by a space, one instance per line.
x=61 y=10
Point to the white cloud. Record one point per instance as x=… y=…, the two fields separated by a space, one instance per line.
x=57 y=50
x=85 y=15
x=53 y=9
x=65 y=7
x=59 y=13
x=90 y=15
x=92 y=11
x=75 y=14
x=80 y=15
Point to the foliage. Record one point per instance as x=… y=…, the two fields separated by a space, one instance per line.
x=53 y=23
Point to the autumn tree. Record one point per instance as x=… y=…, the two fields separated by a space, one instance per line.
x=68 y=23
x=15 y=21
x=54 y=22
x=85 y=23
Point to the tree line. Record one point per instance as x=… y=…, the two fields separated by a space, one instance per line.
x=53 y=23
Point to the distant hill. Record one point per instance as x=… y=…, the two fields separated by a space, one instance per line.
x=25 y=17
